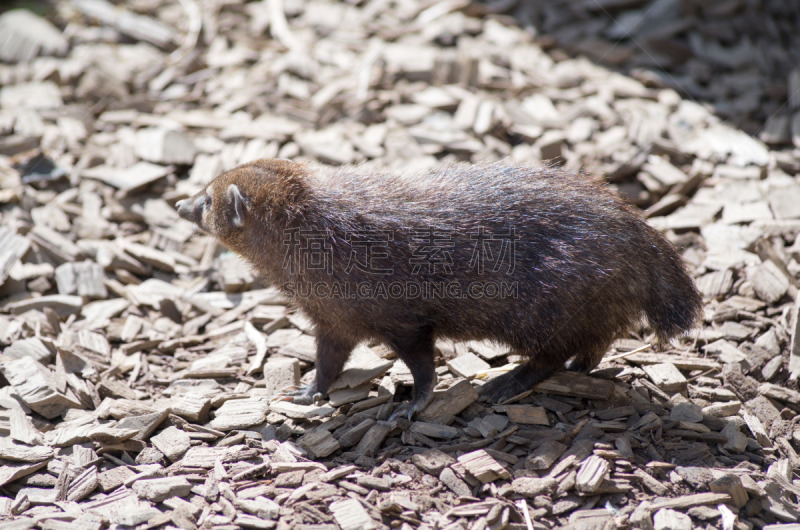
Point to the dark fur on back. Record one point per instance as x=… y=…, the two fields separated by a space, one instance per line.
x=586 y=266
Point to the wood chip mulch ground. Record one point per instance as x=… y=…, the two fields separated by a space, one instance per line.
x=138 y=357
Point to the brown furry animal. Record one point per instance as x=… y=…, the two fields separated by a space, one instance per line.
x=549 y=263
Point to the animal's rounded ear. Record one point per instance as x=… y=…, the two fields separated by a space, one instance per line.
x=237 y=205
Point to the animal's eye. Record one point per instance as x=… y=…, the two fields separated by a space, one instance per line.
x=207 y=202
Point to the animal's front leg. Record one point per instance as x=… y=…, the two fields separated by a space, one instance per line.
x=333 y=350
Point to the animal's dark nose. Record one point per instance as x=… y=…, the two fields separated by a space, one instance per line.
x=184 y=208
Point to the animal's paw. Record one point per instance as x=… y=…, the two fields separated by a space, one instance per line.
x=416 y=405
x=406 y=410
x=303 y=395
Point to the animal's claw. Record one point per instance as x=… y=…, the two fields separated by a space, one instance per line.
x=301 y=395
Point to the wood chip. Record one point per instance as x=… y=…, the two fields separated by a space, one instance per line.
x=350 y=515
x=84 y=279
x=294 y=410
x=132 y=341
x=240 y=414
x=666 y=377
x=769 y=283
x=468 y=365
x=545 y=455
x=320 y=444
x=159 y=489
x=373 y=438
x=450 y=402
x=173 y=442
x=432 y=461
x=483 y=467
x=434 y=430
x=574 y=384
x=36 y=386
x=527 y=414
x=591 y=474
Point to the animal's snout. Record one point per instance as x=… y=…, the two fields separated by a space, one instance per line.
x=185 y=209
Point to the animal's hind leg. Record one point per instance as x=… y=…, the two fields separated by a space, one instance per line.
x=415 y=348
x=524 y=377
x=586 y=361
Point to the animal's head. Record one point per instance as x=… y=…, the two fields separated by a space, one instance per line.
x=235 y=206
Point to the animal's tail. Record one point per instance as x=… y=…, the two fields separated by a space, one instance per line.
x=675 y=304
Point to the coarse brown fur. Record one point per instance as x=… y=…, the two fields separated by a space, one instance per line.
x=581 y=266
